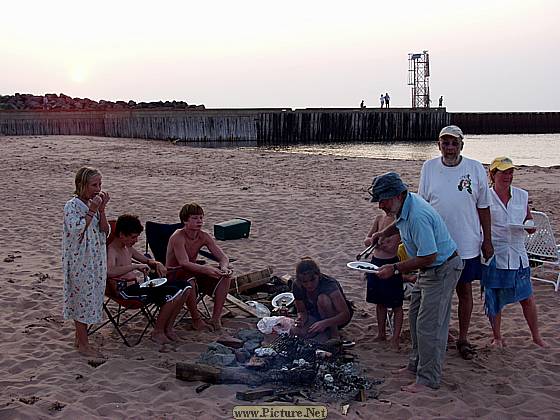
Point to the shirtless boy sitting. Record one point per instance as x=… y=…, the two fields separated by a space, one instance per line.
x=182 y=251
x=124 y=263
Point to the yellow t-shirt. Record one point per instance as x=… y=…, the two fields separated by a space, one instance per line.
x=401 y=253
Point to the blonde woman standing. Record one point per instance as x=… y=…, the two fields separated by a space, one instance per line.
x=507 y=277
x=84 y=256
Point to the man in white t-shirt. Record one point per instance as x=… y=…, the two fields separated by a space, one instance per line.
x=457 y=187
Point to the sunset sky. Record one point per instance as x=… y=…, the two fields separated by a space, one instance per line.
x=485 y=55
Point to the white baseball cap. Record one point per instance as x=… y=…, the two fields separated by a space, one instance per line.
x=451 y=130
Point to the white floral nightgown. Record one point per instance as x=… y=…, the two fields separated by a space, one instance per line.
x=84 y=264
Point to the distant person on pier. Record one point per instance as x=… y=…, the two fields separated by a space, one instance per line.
x=382 y=100
x=441 y=101
x=362 y=106
x=387 y=99
x=457 y=188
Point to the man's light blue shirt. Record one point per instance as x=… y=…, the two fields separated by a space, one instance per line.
x=423 y=231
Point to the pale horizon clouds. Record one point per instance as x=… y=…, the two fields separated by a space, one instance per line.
x=484 y=55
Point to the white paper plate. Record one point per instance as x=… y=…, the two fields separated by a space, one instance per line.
x=520 y=226
x=363 y=266
x=154 y=282
x=283 y=299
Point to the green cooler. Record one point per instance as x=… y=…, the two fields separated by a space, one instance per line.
x=232 y=229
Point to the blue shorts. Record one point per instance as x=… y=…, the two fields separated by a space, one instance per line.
x=472 y=270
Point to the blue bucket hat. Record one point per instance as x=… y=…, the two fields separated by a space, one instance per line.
x=386 y=186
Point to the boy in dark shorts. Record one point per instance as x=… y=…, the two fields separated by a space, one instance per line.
x=386 y=293
x=182 y=251
x=124 y=264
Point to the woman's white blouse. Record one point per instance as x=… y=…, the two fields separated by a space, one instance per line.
x=509 y=242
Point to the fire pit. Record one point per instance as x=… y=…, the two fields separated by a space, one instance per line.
x=323 y=371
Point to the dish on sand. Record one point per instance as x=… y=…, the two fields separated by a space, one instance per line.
x=283 y=299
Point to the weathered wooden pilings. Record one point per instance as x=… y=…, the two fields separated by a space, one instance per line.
x=263 y=126
x=273 y=125
x=336 y=125
x=182 y=125
x=507 y=122
x=25 y=123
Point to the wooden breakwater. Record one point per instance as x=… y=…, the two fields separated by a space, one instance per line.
x=272 y=126
x=335 y=125
x=263 y=126
x=507 y=122
x=28 y=123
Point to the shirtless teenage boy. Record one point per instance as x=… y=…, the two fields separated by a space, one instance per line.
x=182 y=251
x=385 y=293
x=124 y=263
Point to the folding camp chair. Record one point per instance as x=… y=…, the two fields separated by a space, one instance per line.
x=542 y=248
x=124 y=311
x=157 y=238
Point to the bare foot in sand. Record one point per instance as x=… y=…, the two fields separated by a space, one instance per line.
x=216 y=324
x=539 y=342
x=498 y=343
x=160 y=338
x=404 y=371
x=89 y=351
x=414 y=388
x=380 y=338
x=199 y=324
x=172 y=335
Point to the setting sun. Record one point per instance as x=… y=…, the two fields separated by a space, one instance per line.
x=78 y=73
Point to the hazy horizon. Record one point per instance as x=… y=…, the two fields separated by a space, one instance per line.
x=485 y=56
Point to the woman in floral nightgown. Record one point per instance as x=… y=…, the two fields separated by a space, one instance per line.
x=84 y=256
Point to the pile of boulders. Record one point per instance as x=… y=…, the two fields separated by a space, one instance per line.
x=62 y=102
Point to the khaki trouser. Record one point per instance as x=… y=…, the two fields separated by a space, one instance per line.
x=429 y=314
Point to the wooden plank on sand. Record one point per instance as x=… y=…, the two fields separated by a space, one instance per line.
x=241 y=305
x=251 y=280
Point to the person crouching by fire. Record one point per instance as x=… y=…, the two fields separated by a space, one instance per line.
x=322 y=308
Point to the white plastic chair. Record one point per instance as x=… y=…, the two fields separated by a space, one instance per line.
x=543 y=249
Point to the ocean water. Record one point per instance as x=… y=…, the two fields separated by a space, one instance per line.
x=523 y=149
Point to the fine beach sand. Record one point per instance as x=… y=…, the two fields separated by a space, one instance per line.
x=299 y=205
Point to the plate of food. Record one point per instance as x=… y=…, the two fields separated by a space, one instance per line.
x=283 y=299
x=526 y=225
x=363 y=266
x=154 y=282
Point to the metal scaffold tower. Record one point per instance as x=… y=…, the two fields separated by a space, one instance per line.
x=419 y=79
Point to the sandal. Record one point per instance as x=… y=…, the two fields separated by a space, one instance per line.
x=465 y=349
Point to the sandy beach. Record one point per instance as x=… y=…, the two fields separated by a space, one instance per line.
x=299 y=205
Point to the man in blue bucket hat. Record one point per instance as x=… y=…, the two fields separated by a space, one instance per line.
x=434 y=254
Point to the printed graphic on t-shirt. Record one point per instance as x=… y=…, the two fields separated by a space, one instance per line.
x=465 y=183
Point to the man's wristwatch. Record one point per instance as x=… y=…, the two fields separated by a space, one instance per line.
x=395 y=269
